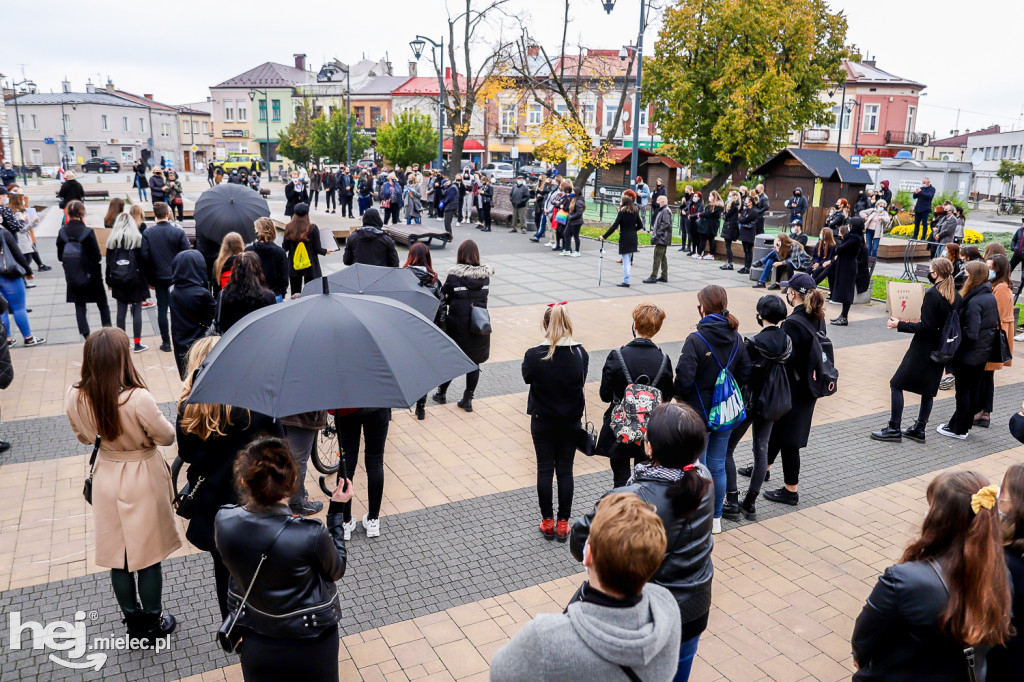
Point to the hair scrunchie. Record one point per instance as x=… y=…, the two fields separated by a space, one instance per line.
x=986 y=497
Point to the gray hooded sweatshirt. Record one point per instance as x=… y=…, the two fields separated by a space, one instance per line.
x=591 y=642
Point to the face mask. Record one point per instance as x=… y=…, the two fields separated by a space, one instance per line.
x=519 y=182
x=931 y=277
x=991 y=275
x=633 y=329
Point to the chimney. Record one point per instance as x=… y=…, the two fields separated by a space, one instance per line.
x=869 y=62
x=65 y=86
x=110 y=87
x=300 y=61
x=412 y=69
x=90 y=88
x=447 y=72
x=148 y=96
x=533 y=50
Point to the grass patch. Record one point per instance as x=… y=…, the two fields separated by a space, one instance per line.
x=878 y=285
x=986 y=237
x=642 y=238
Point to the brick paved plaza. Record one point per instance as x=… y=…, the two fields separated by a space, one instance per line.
x=459 y=566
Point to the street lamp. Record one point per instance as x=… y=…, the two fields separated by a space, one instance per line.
x=842 y=110
x=417 y=46
x=17 y=118
x=64 y=137
x=609 y=5
x=327 y=73
x=266 y=108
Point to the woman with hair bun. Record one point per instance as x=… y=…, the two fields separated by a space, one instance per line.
x=935 y=614
x=678 y=485
x=284 y=568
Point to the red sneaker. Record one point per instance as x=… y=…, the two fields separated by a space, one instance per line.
x=562 y=530
x=547 y=527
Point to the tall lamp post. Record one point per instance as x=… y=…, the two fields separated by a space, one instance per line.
x=417 y=46
x=609 y=5
x=266 y=108
x=842 y=110
x=64 y=137
x=327 y=72
x=17 y=119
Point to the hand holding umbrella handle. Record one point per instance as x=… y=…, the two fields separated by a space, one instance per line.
x=342 y=472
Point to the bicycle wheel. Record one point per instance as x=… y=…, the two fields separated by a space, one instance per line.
x=326 y=454
x=1000 y=210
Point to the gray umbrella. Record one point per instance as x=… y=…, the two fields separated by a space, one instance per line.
x=398 y=284
x=229 y=208
x=328 y=351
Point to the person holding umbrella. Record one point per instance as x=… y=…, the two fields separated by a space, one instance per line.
x=302 y=244
x=370 y=244
x=466 y=288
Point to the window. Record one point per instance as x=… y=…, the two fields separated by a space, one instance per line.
x=870 y=118
x=588 y=112
x=535 y=115
x=1013 y=152
x=93 y=153
x=104 y=122
x=242 y=111
x=610 y=111
x=988 y=152
x=23 y=125
x=37 y=155
x=184 y=128
x=263 y=110
x=360 y=116
x=67 y=122
x=35 y=125
x=125 y=128
x=375 y=117
x=206 y=128
x=835 y=118
x=165 y=130
x=910 y=118
x=1004 y=153
x=643 y=118
x=508 y=119
x=142 y=125
x=275 y=105
x=229 y=110
x=560 y=109
x=195 y=127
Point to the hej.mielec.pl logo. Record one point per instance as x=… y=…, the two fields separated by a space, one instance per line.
x=72 y=643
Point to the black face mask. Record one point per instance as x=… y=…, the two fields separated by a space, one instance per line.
x=931 y=277
x=633 y=329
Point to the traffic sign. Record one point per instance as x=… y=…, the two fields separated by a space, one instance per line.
x=195 y=148
x=855 y=160
x=48 y=140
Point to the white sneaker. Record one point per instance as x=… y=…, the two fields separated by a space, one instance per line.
x=708 y=256
x=348 y=528
x=695 y=256
x=943 y=430
x=567 y=253
x=575 y=254
x=372 y=527
x=551 y=244
x=716 y=526
x=1019 y=337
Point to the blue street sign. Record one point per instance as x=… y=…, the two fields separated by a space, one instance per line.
x=855 y=160
x=48 y=140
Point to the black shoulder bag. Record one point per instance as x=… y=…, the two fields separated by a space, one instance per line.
x=586 y=439
x=87 y=488
x=227 y=638
x=968 y=650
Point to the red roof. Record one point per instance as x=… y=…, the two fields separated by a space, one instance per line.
x=424 y=85
x=467 y=146
x=961 y=140
x=620 y=154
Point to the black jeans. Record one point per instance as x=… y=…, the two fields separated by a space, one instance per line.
x=220 y=578
x=122 y=317
x=790 y=462
x=472 y=379
x=181 y=358
x=762 y=432
x=484 y=214
x=692 y=228
x=147 y=598
x=554 y=441
x=373 y=426
x=622 y=460
x=896 y=411
x=574 y=232
x=748 y=254
x=329 y=199
x=988 y=391
x=314 y=198
x=969 y=380
x=268 y=659
x=921 y=225
x=728 y=251
x=391 y=212
x=345 y=203
x=163 y=297
x=82 y=318
x=449 y=216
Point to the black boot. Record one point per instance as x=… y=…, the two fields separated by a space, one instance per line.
x=731 y=508
x=747 y=507
x=135 y=622
x=916 y=432
x=467 y=401
x=749 y=471
x=421 y=409
x=439 y=397
x=156 y=625
x=890 y=434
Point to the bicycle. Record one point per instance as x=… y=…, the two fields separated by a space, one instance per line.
x=1007 y=206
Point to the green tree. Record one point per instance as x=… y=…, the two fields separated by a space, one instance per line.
x=732 y=79
x=1008 y=171
x=410 y=138
x=329 y=138
x=295 y=142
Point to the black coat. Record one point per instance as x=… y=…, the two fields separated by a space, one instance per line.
x=697 y=371
x=370 y=246
x=466 y=287
x=314 y=250
x=556 y=385
x=794 y=428
x=863 y=278
x=731 y=226
x=917 y=373
x=748 y=225
x=710 y=219
x=233 y=308
x=214 y=460
x=94 y=291
x=13 y=253
x=191 y=303
x=138 y=290
x=767 y=348
x=979 y=324
x=628 y=223
x=643 y=359
x=71 y=190
x=294 y=197
x=845 y=271
x=6 y=367
x=275 y=265
x=897 y=638
x=1006 y=662
x=161 y=243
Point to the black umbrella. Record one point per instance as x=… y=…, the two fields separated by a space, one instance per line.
x=229 y=208
x=397 y=284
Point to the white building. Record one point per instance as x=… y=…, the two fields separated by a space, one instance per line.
x=986 y=152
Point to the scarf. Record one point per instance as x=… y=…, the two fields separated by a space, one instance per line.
x=654 y=472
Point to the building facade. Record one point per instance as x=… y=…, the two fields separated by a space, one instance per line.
x=163 y=127
x=986 y=152
x=195 y=126
x=950 y=148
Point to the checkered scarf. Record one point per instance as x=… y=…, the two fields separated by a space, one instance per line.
x=653 y=471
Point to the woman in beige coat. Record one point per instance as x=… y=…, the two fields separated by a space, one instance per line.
x=132 y=491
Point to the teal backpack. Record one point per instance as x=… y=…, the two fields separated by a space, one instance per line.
x=727 y=408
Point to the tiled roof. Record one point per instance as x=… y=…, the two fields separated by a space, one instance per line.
x=268 y=74
x=822 y=163
x=866 y=72
x=384 y=85
x=139 y=99
x=961 y=140
x=73 y=98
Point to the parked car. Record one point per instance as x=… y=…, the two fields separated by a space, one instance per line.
x=531 y=173
x=102 y=165
x=366 y=164
x=499 y=171
x=240 y=161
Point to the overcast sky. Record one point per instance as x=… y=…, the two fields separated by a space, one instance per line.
x=966 y=53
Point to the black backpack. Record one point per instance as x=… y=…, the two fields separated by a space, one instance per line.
x=951 y=338
x=76 y=270
x=775 y=398
x=822 y=375
x=123 y=268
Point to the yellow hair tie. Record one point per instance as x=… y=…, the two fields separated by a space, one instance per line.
x=986 y=497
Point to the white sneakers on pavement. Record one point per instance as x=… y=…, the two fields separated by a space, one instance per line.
x=944 y=431
x=349 y=527
x=372 y=527
x=716 y=526
x=1019 y=337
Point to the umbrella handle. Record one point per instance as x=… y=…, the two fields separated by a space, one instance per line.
x=342 y=475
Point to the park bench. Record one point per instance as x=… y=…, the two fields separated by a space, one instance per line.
x=93 y=194
x=410 y=234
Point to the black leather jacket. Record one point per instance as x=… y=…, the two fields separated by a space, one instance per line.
x=686 y=571
x=294 y=594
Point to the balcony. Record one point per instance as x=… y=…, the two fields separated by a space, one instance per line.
x=906 y=138
x=816 y=136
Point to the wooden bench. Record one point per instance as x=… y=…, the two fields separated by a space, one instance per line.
x=501 y=205
x=410 y=234
x=94 y=194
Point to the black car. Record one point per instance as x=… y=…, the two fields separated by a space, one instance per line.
x=101 y=165
x=530 y=172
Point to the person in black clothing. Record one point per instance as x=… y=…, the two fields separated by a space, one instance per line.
x=129 y=288
x=979 y=327
x=70 y=190
x=918 y=373
x=158 y=188
x=486 y=201
x=330 y=183
x=300 y=232
x=762 y=204
x=439 y=191
x=273 y=259
x=208 y=439
x=731 y=226
x=823 y=258
x=748 y=230
x=628 y=221
x=466 y=287
x=556 y=372
x=370 y=244
x=707 y=226
x=950 y=591
x=691 y=220
x=365 y=192
x=642 y=361
x=295 y=193
x=192 y=305
x=659 y=191
x=845 y=288
x=372 y=425
x=292 y=609
x=419 y=262
x=209 y=173
x=679 y=488
x=345 y=183
x=160 y=244
x=93 y=292
x=245 y=292
x=314 y=188
x=1006 y=662
x=449 y=204
x=768 y=350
